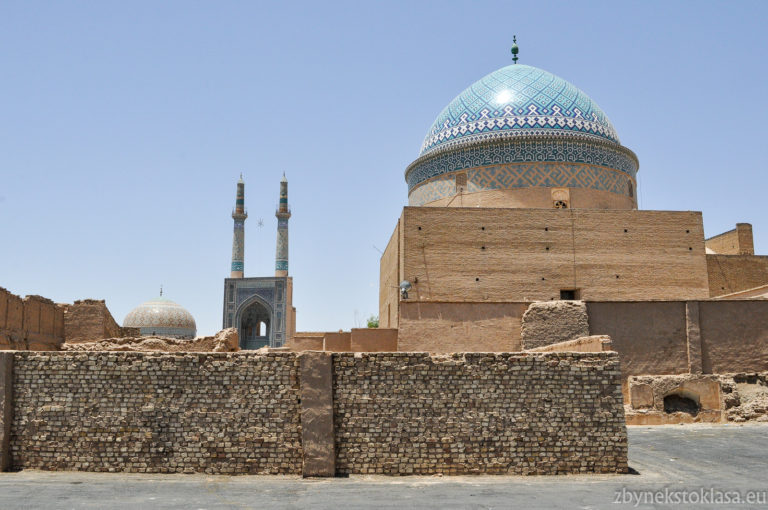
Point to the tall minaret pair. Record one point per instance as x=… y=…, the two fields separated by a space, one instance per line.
x=238 y=237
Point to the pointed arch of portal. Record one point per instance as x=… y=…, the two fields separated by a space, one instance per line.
x=253 y=316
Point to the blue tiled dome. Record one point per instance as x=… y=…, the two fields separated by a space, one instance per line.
x=518 y=100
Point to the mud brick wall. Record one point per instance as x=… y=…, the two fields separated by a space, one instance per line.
x=219 y=413
x=734 y=273
x=87 y=320
x=503 y=413
x=520 y=255
x=32 y=323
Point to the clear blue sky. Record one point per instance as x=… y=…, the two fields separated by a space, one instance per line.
x=125 y=125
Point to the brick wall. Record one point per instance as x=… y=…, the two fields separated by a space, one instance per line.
x=410 y=413
x=239 y=413
x=738 y=241
x=389 y=282
x=156 y=413
x=677 y=337
x=460 y=327
x=733 y=273
x=523 y=255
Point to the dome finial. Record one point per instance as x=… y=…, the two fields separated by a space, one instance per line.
x=515 y=49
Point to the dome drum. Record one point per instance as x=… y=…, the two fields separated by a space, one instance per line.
x=597 y=187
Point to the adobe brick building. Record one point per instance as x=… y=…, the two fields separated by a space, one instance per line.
x=522 y=192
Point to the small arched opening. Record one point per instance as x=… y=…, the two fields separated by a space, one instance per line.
x=682 y=402
x=254 y=326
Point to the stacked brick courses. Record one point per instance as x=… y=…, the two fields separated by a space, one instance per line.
x=391 y=413
x=157 y=413
x=483 y=413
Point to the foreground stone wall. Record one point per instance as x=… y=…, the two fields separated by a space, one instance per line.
x=314 y=413
x=512 y=413
x=156 y=413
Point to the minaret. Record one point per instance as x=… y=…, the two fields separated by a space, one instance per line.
x=282 y=213
x=238 y=237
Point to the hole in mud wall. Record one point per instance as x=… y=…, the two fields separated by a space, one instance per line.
x=679 y=404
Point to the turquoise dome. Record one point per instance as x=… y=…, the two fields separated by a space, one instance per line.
x=518 y=100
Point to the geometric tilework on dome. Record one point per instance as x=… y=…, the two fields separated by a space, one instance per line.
x=523 y=175
x=162 y=316
x=518 y=100
x=522 y=150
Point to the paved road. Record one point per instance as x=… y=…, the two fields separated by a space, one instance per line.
x=691 y=457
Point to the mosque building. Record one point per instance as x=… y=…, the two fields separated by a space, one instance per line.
x=523 y=192
x=261 y=308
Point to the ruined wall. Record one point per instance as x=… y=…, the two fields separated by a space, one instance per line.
x=647 y=407
x=733 y=273
x=389 y=281
x=460 y=327
x=736 y=397
x=551 y=322
x=517 y=255
x=31 y=323
x=89 y=319
x=156 y=413
x=225 y=340
x=503 y=414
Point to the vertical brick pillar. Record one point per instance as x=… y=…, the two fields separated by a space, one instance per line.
x=693 y=333
x=317 y=434
x=6 y=408
x=745 y=239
